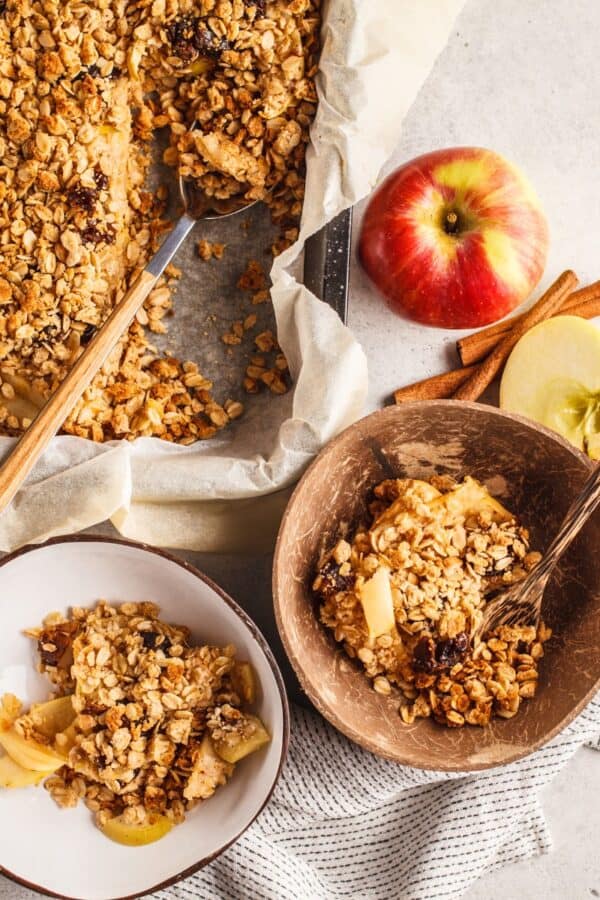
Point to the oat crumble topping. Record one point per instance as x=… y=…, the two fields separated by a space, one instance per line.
x=83 y=87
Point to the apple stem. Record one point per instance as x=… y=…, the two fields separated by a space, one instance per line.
x=451 y=223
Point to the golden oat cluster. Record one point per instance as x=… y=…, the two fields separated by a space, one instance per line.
x=405 y=597
x=83 y=88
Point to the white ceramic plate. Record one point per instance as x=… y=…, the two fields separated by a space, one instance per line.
x=61 y=852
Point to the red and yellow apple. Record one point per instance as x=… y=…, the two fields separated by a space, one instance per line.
x=456 y=238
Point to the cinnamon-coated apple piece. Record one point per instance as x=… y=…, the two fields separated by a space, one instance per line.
x=553 y=377
x=455 y=238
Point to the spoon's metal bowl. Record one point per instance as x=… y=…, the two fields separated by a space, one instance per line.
x=199 y=205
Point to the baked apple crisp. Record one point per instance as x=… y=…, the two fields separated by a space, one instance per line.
x=405 y=596
x=145 y=725
x=84 y=87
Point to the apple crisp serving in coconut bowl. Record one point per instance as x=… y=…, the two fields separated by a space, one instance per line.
x=405 y=594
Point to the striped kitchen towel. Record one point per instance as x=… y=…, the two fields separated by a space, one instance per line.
x=346 y=825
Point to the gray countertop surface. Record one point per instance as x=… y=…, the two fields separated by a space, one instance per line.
x=522 y=78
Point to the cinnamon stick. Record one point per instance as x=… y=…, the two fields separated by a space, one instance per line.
x=439 y=387
x=549 y=303
x=472 y=349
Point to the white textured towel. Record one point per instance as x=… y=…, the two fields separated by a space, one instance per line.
x=345 y=825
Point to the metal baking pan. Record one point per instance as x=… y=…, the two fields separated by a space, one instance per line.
x=207 y=299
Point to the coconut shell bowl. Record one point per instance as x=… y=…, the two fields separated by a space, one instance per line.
x=536 y=475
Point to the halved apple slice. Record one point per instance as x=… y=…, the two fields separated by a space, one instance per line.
x=553 y=377
x=375 y=596
x=54 y=716
x=235 y=747
x=137 y=835
x=30 y=754
x=12 y=775
x=470 y=498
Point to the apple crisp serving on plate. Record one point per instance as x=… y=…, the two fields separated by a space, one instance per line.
x=405 y=596
x=144 y=725
x=84 y=87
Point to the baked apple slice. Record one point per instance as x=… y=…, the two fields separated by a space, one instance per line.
x=30 y=754
x=235 y=746
x=471 y=498
x=54 y=716
x=10 y=709
x=137 y=835
x=209 y=771
x=376 y=600
x=243 y=680
x=12 y=775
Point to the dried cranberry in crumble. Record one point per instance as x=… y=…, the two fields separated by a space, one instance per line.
x=83 y=197
x=149 y=639
x=190 y=37
x=152 y=640
x=54 y=642
x=424 y=656
x=100 y=178
x=91 y=234
x=332 y=582
x=430 y=657
x=450 y=651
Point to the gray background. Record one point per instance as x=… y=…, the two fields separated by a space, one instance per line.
x=521 y=77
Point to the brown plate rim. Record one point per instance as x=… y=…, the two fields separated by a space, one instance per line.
x=260 y=640
x=328 y=712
